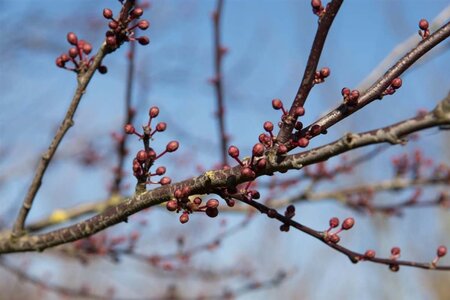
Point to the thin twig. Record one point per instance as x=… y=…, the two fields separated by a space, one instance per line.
x=352 y=255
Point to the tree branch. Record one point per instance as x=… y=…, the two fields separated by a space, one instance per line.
x=307 y=83
x=376 y=90
x=84 y=77
x=211 y=180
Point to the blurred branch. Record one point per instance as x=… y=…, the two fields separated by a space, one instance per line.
x=86 y=291
x=219 y=52
x=128 y=119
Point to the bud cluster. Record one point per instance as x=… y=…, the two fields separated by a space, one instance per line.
x=78 y=55
x=424 y=32
x=181 y=202
x=317 y=7
x=350 y=97
x=320 y=76
x=395 y=85
x=146 y=157
x=333 y=237
x=122 y=29
x=289 y=214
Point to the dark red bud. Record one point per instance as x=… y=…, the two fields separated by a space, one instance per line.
x=345 y=92
x=212 y=203
x=141 y=156
x=137 y=13
x=348 y=223
x=111 y=41
x=172 y=205
x=211 y=212
x=184 y=218
x=113 y=25
x=258 y=149
x=143 y=40
x=325 y=72
x=165 y=181
x=277 y=104
x=107 y=13
x=144 y=24
x=396 y=83
x=73 y=52
x=334 y=222
x=303 y=142
x=282 y=149
x=72 y=38
x=316 y=4
x=299 y=111
x=248 y=173
x=423 y=24
x=370 y=254
x=172 y=146
x=160 y=171
x=129 y=129
x=233 y=151
x=153 y=112
x=441 y=251
x=161 y=126
x=268 y=126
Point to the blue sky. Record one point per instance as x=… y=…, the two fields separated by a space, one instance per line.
x=268 y=45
